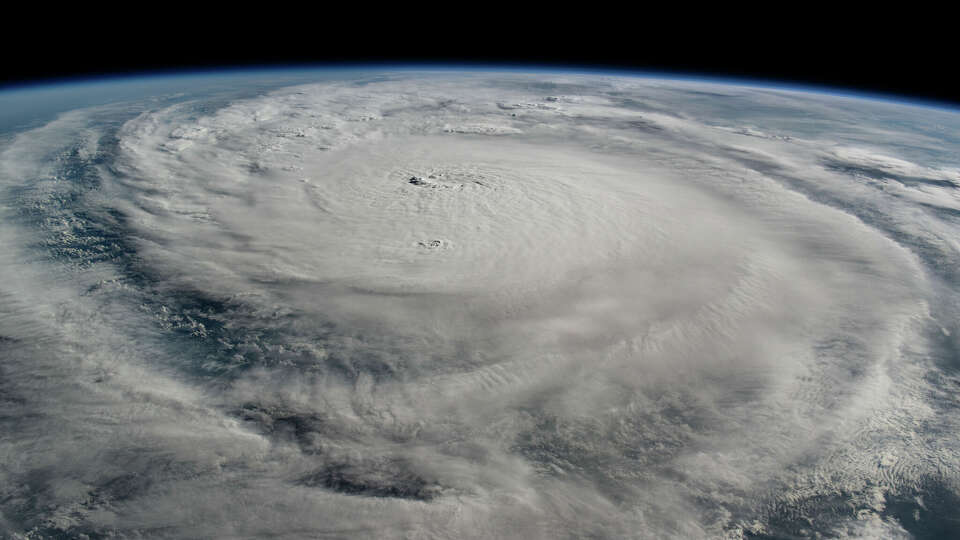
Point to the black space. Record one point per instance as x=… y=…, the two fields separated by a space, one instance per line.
x=908 y=54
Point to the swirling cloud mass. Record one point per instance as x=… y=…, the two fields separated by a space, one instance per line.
x=478 y=305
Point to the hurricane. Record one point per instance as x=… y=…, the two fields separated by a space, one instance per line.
x=480 y=304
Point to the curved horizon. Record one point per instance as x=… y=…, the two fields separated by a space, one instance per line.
x=708 y=77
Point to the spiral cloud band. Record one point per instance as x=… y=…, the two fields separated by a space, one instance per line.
x=422 y=305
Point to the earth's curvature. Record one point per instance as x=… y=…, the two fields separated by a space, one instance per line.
x=477 y=305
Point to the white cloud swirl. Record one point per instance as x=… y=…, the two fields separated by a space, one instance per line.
x=477 y=306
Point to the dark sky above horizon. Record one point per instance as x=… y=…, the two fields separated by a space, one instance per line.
x=909 y=55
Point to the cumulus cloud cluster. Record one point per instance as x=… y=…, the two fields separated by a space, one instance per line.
x=481 y=305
